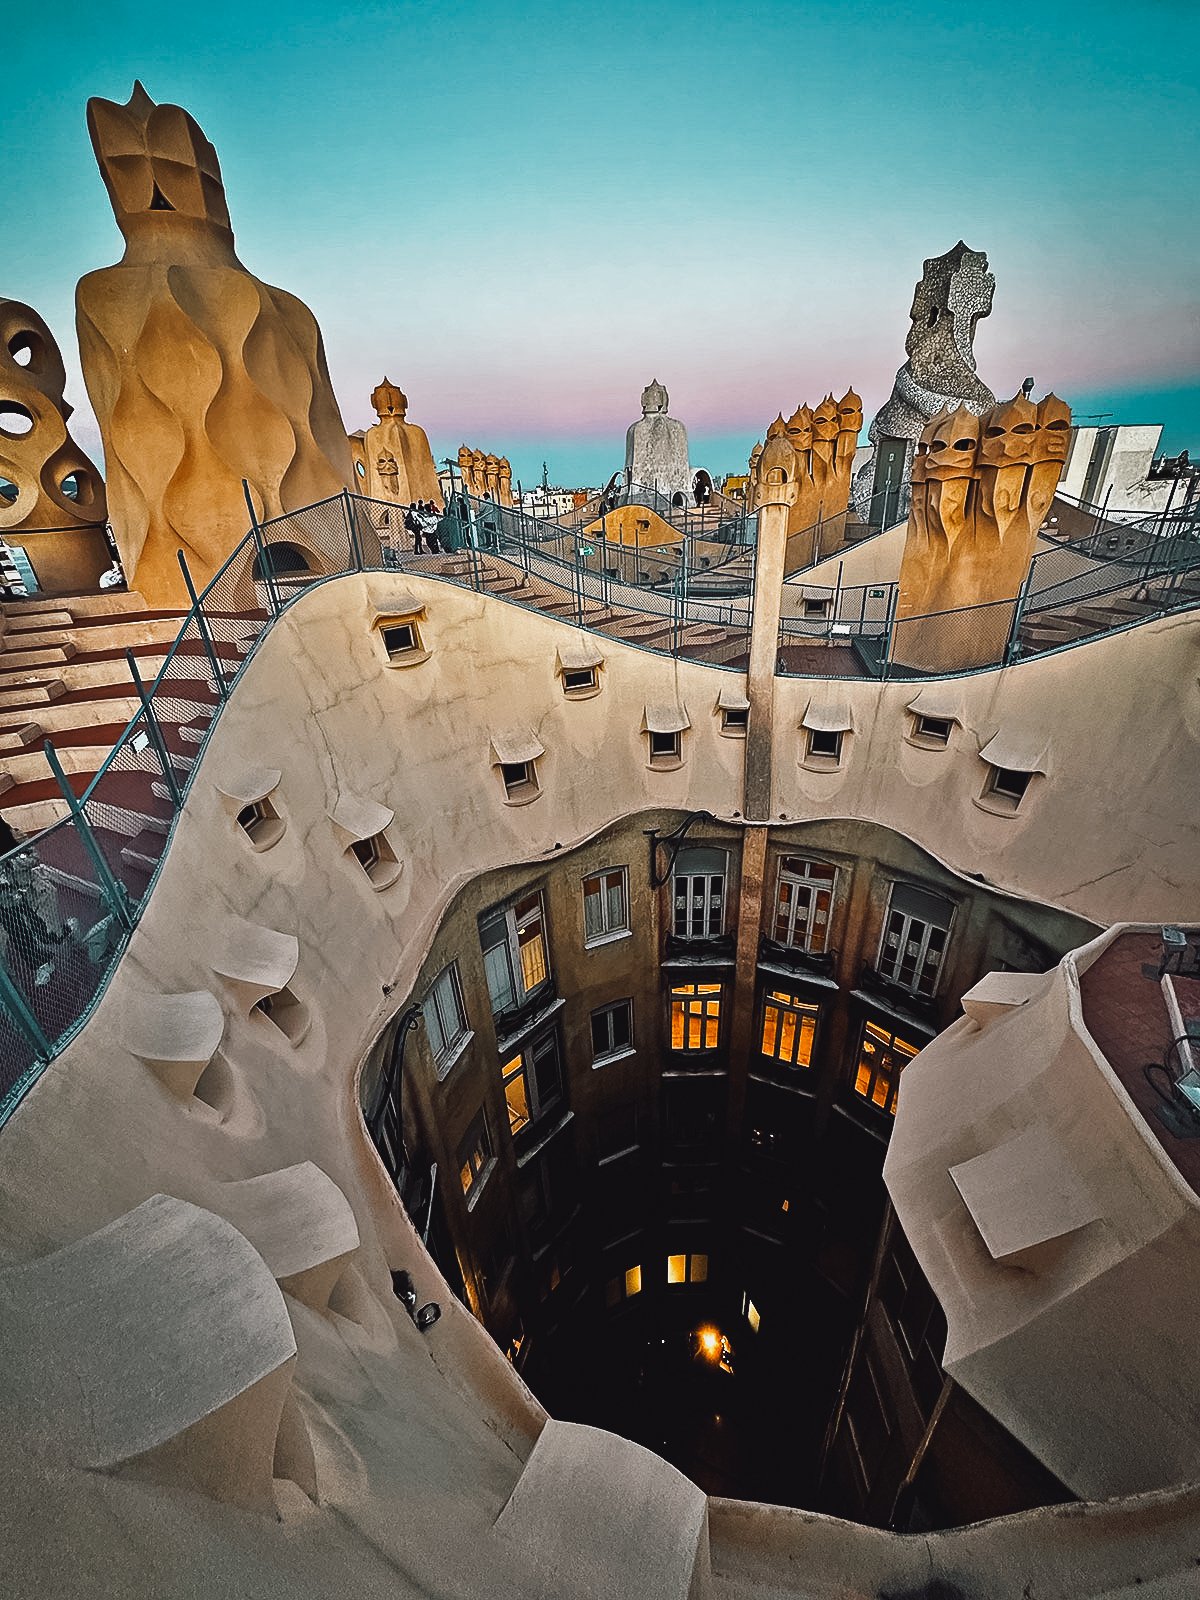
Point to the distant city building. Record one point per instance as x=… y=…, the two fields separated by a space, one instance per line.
x=1120 y=464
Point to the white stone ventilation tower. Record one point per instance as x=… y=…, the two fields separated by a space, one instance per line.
x=656 y=446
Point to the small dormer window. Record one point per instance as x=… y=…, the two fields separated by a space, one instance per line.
x=247 y=800
x=579 y=667
x=285 y=1011
x=377 y=859
x=664 y=727
x=935 y=729
x=735 y=720
x=825 y=744
x=261 y=823
x=402 y=638
x=520 y=779
x=397 y=625
x=360 y=826
x=515 y=753
x=1009 y=785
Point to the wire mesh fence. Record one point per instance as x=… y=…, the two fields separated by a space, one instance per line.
x=70 y=894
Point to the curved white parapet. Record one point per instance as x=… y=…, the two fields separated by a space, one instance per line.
x=175 y=1035
x=159 y=1345
x=301 y=1224
x=591 y=1509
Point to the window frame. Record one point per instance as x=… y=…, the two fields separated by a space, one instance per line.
x=903 y=939
x=587 y=684
x=815 y=886
x=609 y=932
x=922 y=729
x=475 y=1152
x=883 y=1071
x=689 y=917
x=615 y=1051
x=692 y=1272
x=668 y=752
x=831 y=757
x=523 y=1066
x=514 y=923
x=693 y=1002
x=520 y=781
x=452 y=1045
x=788 y=1003
x=1000 y=792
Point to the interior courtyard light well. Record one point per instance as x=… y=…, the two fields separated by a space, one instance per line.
x=632 y=1035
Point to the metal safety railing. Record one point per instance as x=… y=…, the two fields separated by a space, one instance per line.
x=71 y=894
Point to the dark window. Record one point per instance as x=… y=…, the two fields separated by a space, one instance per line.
x=612 y=1030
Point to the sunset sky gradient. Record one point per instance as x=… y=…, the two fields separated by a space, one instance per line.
x=523 y=214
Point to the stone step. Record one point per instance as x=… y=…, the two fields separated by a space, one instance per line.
x=53 y=656
x=33 y=693
x=34 y=815
x=21 y=738
x=107 y=603
x=37 y=622
x=33 y=766
x=119 y=634
x=72 y=715
x=135 y=858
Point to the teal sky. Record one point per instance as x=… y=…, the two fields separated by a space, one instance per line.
x=523 y=214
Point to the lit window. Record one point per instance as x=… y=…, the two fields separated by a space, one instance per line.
x=605 y=905
x=750 y=1312
x=612 y=1031
x=633 y=1281
x=445 y=1016
x=936 y=729
x=803 y=902
x=515 y=957
x=689 y=1268
x=532 y=1081
x=475 y=1158
x=698 y=893
x=1008 y=786
x=915 y=932
x=825 y=745
x=882 y=1056
x=623 y=1288
x=789 y=1028
x=695 y=1016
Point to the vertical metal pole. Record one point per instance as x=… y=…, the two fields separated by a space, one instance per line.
x=155 y=732
x=1012 y=643
x=202 y=624
x=114 y=892
x=260 y=548
x=13 y=1001
x=356 y=556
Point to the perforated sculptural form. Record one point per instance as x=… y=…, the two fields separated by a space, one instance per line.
x=52 y=483
x=200 y=374
x=981 y=486
x=399 y=463
x=824 y=441
x=954 y=293
x=656 y=447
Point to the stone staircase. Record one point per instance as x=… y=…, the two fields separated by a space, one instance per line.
x=499 y=576
x=1069 y=624
x=64 y=677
